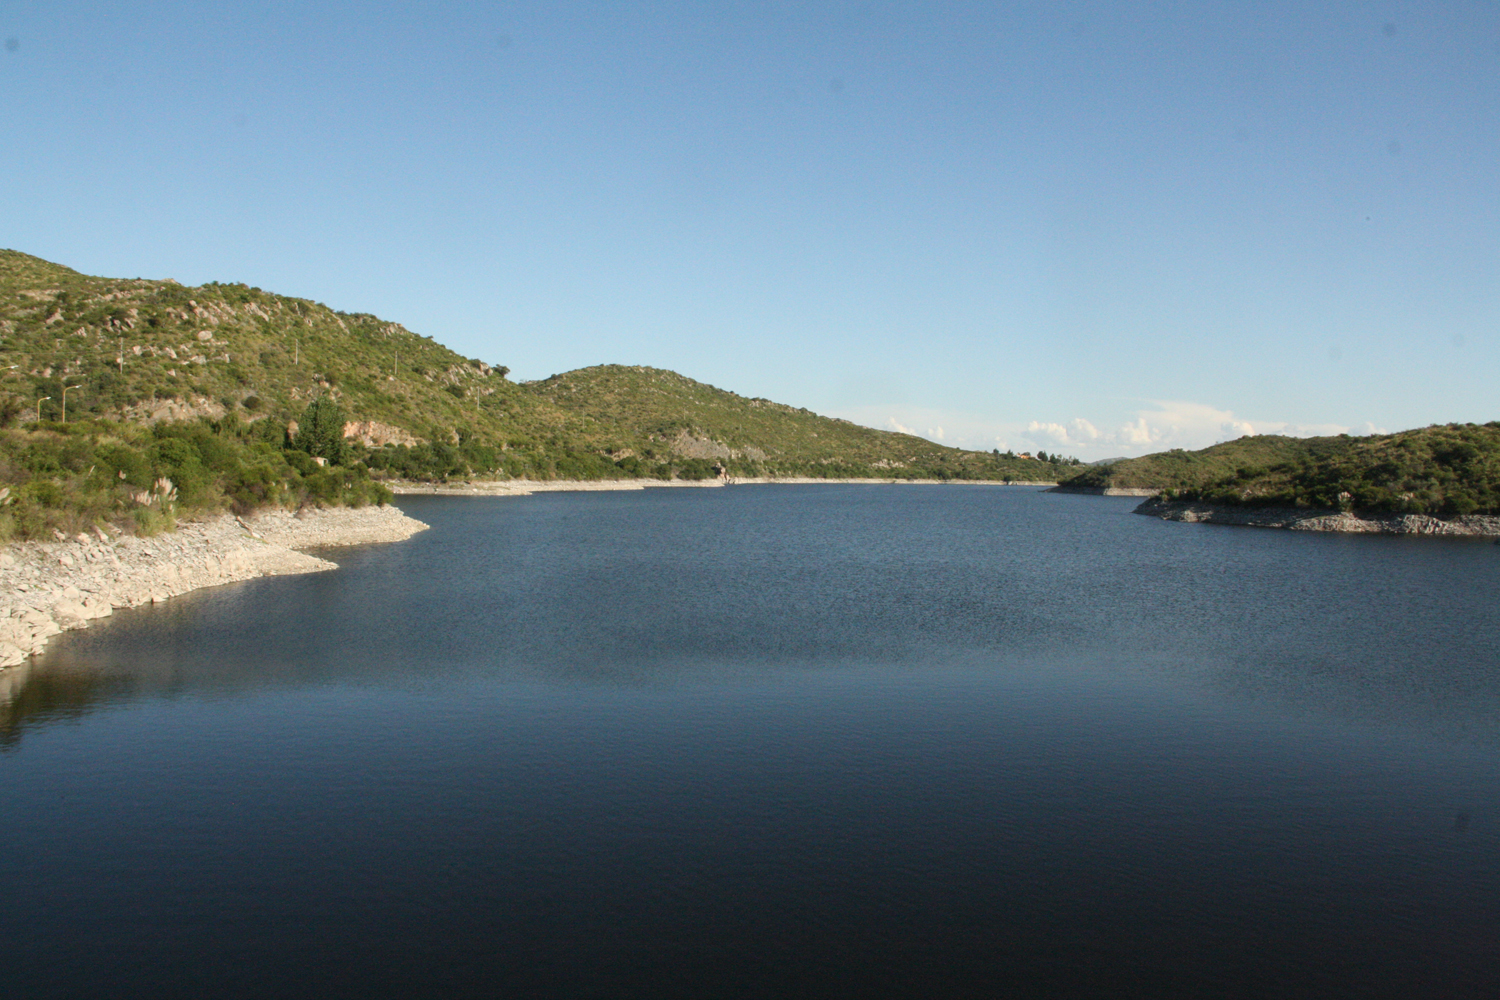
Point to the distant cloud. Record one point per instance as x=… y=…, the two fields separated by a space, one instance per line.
x=1170 y=424
x=1077 y=432
x=933 y=433
x=1162 y=425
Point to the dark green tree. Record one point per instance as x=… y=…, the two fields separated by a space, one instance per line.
x=320 y=431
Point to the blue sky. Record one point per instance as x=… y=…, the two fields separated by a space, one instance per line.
x=1102 y=229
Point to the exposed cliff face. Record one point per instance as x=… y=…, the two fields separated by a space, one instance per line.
x=1300 y=519
x=48 y=587
x=376 y=434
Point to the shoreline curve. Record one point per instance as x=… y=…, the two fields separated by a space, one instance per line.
x=47 y=588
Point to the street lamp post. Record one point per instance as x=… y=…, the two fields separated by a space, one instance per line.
x=39 y=403
x=65 y=401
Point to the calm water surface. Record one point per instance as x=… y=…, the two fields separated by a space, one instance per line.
x=763 y=741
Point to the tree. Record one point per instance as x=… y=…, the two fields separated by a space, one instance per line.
x=320 y=432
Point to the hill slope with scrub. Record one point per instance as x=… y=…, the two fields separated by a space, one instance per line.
x=1442 y=471
x=660 y=414
x=106 y=377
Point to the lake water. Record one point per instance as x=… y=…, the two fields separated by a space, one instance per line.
x=769 y=741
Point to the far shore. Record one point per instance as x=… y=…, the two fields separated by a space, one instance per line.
x=1308 y=519
x=526 y=487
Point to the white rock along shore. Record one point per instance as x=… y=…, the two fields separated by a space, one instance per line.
x=1297 y=519
x=526 y=487
x=47 y=587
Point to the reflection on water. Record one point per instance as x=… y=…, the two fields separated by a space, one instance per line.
x=859 y=741
x=11 y=682
x=33 y=695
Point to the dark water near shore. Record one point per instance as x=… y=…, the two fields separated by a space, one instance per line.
x=768 y=741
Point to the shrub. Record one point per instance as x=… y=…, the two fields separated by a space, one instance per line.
x=150 y=522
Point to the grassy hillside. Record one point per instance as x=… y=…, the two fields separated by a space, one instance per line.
x=659 y=415
x=1178 y=469
x=149 y=367
x=142 y=350
x=1440 y=470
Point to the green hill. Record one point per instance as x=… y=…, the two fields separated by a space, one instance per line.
x=659 y=415
x=143 y=350
x=229 y=372
x=1439 y=470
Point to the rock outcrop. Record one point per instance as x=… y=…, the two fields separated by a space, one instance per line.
x=375 y=434
x=49 y=587
x=1106 y=491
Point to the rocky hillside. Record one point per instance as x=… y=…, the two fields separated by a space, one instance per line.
x=125 y=401
x=662 y=415
x=144 y=350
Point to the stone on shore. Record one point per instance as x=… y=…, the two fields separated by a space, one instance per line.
x=49 y=587
x=1301 y=519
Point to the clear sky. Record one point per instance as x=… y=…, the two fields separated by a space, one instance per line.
x=1096 y=228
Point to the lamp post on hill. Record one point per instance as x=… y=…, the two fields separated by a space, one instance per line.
x=39 y=403
x=65 y=401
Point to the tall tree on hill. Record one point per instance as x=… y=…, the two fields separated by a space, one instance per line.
x=320 y=432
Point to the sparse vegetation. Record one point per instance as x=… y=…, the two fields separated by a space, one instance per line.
x=245 y=364
x=663 y=424
x=68 y=478
x=200 y=386
x=1441 y=470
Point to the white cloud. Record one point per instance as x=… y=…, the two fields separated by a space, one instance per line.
x=1076 y=433
x=1135 y=433
x=1161 y=425
x=1168 y=424
x=1047 y=433
x=1082 y=430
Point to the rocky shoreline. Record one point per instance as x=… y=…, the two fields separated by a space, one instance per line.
x=1303 y=519
x=49 y=587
